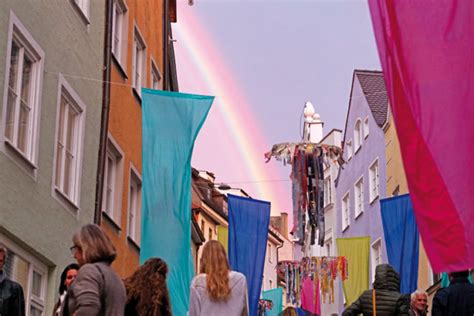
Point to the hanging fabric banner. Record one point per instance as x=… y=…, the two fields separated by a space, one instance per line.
x=310 y=299
x=276 y=296
x=170 y=124
x=223 y=237
x=248 y=234
x=401 y=239
x=356 y=250
x=431 y=100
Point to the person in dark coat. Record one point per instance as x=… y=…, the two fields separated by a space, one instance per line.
x=457 y=299
x=12 y=300
x=388 y=300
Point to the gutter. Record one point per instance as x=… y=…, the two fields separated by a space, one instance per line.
x=166 y=21
x=104 y=124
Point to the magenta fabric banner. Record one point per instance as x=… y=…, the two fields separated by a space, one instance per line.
x=426 y=50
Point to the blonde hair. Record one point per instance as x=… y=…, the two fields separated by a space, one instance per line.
x=215 y=265
x=95 y=244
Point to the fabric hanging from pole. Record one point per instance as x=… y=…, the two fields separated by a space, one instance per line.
x=401 y=239
x=276 y=296
x=356 y=250
x=248 y=235
x=223 y=237
x=427 y=63
x=170 y=123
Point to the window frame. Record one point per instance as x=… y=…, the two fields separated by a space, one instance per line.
x=328 y=198
x=138 y=39
x=366 y=127
x=359 y=197
x=358 y=137
x=346 y=201
x=376 y=243
x=269 y=247
x=114 y=150
x=34 y=265
x=72 y=202
x=374 y=195
x=19 y=34
x=155 y=71
x=137 y=219
x=349 y=149
x=120 y=51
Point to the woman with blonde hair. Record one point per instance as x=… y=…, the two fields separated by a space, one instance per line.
x=147 y=293
x=217 y=290
x=97 y=289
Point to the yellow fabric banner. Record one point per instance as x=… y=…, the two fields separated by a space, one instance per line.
x=223 y=236
x=356 y=251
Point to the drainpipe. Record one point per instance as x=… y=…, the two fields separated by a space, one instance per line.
x=166 y=22
x=104 y=124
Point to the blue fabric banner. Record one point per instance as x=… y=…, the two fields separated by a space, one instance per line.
x=170 y=124
x=401 y=239
x=276 y=296
x=248 y=235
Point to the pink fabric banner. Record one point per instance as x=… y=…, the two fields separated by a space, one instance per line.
x=426 y=49
x=310 y=300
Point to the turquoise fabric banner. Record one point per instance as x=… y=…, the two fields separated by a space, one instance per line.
x=276 y=296
x=170 y=124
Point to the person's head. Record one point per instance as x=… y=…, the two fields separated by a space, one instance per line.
x=215 y=265
x=289 y=311
x=459 y=275
x=3 y=256
x=90 y=245
x=147 y=287
x=419 y=300
x=68 y=276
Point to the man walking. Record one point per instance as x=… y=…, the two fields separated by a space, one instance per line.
x=12 y=301
x=457 y=299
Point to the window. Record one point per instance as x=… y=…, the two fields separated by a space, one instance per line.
x=83 y=5
x=376 y=255
x=156 y=82
x=139 y=58
x=69 y=137
x=359 y=197
x=119 y=31
x=31 y=274
x=134 y=206
x=328 y=246
x=366 y=127
x=269 y=253
x=349 y=149
x=345 y=211
x=357 y=135
x=23 y=80
x=374 y=180
x=210 y=233
x=327 y=191
x=112 y=193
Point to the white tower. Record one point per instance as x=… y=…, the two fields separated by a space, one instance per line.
x=313 y=126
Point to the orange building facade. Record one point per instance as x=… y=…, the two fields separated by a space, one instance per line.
x=136 y=47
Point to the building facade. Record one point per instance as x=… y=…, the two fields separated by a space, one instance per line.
x=51 y=57
x=136 y=61
x=360 y=184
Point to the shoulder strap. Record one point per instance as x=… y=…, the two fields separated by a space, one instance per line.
x=374 y=303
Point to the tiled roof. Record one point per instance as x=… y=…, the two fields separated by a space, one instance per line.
x=373 y=86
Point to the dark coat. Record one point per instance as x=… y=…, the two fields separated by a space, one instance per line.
x=388 y=299
x=455 y=300
x=12 y=301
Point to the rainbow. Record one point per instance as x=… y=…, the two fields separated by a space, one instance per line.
x=195 y=50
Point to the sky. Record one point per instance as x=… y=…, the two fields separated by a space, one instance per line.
x=262 y=60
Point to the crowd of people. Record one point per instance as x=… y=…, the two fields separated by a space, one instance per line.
x=91 y=287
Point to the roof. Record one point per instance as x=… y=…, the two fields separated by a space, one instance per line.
x=373 y=86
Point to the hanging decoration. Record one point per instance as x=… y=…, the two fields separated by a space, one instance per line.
x=322 y=270
x=263 y=306
x=308 y=162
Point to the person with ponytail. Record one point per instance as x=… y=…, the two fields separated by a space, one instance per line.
x=217 y=290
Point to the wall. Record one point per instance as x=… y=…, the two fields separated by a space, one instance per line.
x=125 y=116
x=31 y=217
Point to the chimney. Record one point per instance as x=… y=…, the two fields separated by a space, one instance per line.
x=284 y=224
